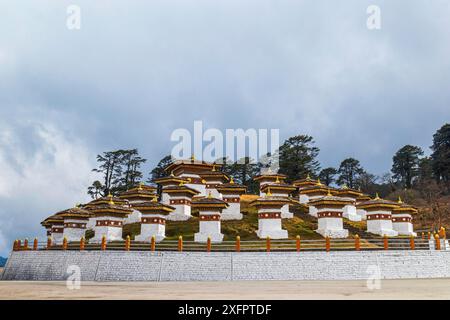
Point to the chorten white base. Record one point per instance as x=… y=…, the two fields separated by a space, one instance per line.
x=203 y=237
x=381 y=228
x=111 y=234
x=403 y=225
x=271 y=228
x=57 y=238
x=231 y=216
x=151 y=229
x=182 y=212
x=312 y=211
x=133 y=217
x=303 y=198
x=285 y=213
x=332 y=227
x=73 y=234
x=178 y=217
x=351 y=214
x=333 y=233
x=272 y=234
x=361 y=213
x=404 y=228
x=233 y=212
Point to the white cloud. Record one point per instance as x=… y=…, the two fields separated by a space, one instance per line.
x=42 y=171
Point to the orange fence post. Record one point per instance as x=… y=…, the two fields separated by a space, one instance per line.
x=238 y=244
x=442 y=233
x=423 y=235
x=103 y=245
x=15 y=245
x=357 y=243
x=35 y=244
x=208 y=244
x=19 y=245
x=412 y=243
x=180 y=243
x=127 y=243
x=25 y=244
x=327 y=244
x=64 y=246
x=429 y=235
x=385 y=242
x=49 y=242
x=438 y=241
x=268 y=244
x=153 y=243
x=82 y=243
x=297 y=243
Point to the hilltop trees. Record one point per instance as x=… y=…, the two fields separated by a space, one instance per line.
x=441 y=154
x=120 y=170
x=298 y=157
x=158 y=171
x=327 y=175
x=405 y=167
x=243 y=172
x=349 y=172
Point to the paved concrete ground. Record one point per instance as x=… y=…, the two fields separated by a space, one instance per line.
x=390 y=289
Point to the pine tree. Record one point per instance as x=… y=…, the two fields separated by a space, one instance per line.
x=349 y=171
x=405 y=166
x=298 y=157
x=120 y=170
x=158 y=171
x=441 y=154
x=327 y=175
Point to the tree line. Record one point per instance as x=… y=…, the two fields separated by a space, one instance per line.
x=411 y=170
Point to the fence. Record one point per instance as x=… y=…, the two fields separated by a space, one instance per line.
x=298 y=244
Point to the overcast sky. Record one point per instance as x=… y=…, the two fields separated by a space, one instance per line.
x=137 y=70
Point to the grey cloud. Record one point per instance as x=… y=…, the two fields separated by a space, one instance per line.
x=138 y=70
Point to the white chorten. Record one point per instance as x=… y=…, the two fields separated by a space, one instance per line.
x=269 y=216
x=153 y=220
x=209 y=211
x=231 y=194
x=379 y=216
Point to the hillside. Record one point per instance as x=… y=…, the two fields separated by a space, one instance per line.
x=302 y=224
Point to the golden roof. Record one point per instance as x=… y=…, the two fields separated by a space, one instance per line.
x=231 y=187
x=110 y=209
x=190 y=163
x=273 y=177
x=76 y=213
x=180 y=189
x=139 y=192
x=377 y=203
x=304 y=182
x=214 y=175
x=169 y=180
x=279 y=186
x=316 y=188
x=208 y=203
x=270 y=200
x=329 y=199
x=346 y=191
x=53 y=219
x=153 y=207
x=404 y=208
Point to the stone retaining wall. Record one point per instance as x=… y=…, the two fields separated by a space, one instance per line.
x=217 y=266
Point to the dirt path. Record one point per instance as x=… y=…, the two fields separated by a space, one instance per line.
x=390 y=289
